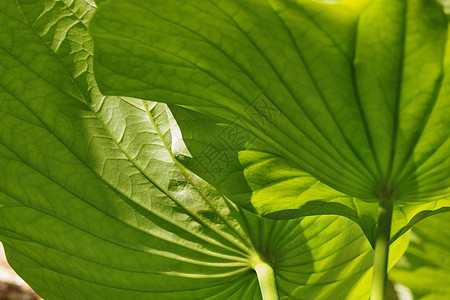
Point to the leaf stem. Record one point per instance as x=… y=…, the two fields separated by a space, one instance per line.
x=380 y=265
x=266 y=279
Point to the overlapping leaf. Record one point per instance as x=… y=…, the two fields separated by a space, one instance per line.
x=229 y=158
x=425 y=267
x=354 y=94
x=94 y=206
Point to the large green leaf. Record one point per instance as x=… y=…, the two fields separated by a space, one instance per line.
x=93 y=204
x=425 y=267
x=354 y=94
x=228 y=157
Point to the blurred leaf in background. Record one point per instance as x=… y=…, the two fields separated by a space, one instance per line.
x=425 y=267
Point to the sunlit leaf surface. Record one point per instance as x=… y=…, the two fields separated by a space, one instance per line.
x=351 y=96
x=93 y=204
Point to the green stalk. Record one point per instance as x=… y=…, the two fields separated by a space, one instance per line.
x=266 y=279
x=380 y=265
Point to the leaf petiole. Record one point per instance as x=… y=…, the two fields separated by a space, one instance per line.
x=380 y=265
x=266 y=279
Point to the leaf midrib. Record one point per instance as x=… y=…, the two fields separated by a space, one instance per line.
x=211 y=241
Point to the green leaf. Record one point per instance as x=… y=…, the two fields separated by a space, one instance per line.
x=259 y=181
x=93 y=204
x=352 y=95
x=425 y=267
